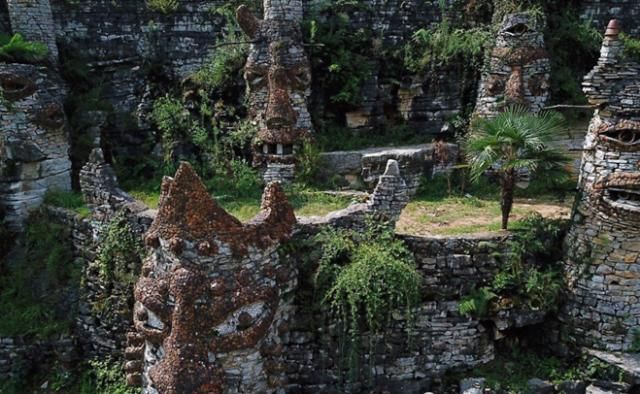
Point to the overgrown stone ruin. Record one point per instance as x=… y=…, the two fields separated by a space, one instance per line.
x=34 y=145
x=278 y=79
x=518 y=69
x=603 y=244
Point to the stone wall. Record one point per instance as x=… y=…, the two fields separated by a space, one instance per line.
x=34 y=146
x=599 y=12
x=441 y=340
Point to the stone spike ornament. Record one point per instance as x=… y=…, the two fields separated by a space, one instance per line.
x=278 y=76
x=518 y=69
x=209 y=297
x=603 y=244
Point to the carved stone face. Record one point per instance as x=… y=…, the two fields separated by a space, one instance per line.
x=278 y=78
x=209 y=292
x=603 y=244
x=518 y=71
x=34 y=150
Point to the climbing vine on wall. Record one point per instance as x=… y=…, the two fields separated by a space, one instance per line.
x=364 y=277
x=530 y=274
x=120 y=250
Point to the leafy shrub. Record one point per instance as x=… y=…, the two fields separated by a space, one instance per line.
x=163 y=6
x=477 y=303
x=227 y=60
x=105 y=377
x=16 y=48
x=364 y=277
x=68 y=200
x=37 y=280
x=120 y=250
x=444 y=45
x=308 y=162
x=340 y=54
x=631 y=46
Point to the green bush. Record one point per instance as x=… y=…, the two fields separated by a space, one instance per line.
x=226 y=62
x=37 y=282
x=163 y=6
x=363 y=278
x=119 y=255
x=631 y=47
x=68 y=200
x=477 y=303
x=104 y=377
x=16 y=48
x=444 y=45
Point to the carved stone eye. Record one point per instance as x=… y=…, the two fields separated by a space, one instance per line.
x=626 y=138
x=16 y=87
x=518 y=30
x=256 y=78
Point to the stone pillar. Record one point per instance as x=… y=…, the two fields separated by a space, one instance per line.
x=278 y=76
x=518 y=69
x=34 y=155
x=603 y=245
x=391 y=194
x=34 y=20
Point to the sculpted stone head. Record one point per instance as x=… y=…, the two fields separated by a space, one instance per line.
x=603 y=244
x=208 y=299
x=518 y=68
x=278 y=80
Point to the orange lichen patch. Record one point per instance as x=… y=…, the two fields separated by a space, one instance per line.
x=621 y=125
x=187 y=212
x=514 y=89
x=520 y=56
x=16 y=87
x=285 y=136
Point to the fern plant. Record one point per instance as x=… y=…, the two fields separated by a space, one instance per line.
x=16 y=48
x=477 y=303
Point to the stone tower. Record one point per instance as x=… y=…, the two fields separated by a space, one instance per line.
x=603 y=245
x=278 y=79
x=518 y=69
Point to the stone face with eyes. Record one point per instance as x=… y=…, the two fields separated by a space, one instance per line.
x=34 y=149
x=603 y=243
x=518 y=68
x=278 y=78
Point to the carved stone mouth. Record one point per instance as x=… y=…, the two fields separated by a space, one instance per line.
x=626 y=199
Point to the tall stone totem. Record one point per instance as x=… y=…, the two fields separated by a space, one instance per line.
x=518 y=69
x=603 y=245
x=278 y=79
x=209 y=313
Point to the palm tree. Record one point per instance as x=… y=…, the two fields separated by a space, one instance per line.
x=514 y=141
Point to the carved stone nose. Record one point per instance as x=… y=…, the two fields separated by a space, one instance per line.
x=514 y=90
x=280 y=112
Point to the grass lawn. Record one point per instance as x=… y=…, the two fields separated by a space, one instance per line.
x=434 y=212
x=305 y=202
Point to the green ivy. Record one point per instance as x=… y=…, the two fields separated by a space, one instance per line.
x=530 y=274
x=363 y=278
x=16 y=48
x=163 y=6
x=120 y=251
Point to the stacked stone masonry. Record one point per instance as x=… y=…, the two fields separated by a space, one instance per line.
x=603 y=245
x=34 y=144
x=34 y=20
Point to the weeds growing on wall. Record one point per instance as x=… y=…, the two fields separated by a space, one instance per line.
x=15 y=48
x=340 y=54
x=445 y=45
x=631 y=47
x=530 y=273
x=38 y=282
x=163 y=6
x=68 y=200
x=363 y=278
x=120 y=251
x=225 y=63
